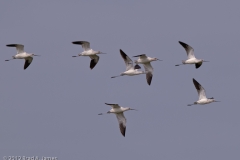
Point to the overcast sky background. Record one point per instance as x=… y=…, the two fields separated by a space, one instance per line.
x=51 y=108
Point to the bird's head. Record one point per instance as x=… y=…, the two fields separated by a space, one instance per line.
x=214 y=100
x=202 y=60
x=99 y=52
x=34 y=55
x=131 y=109
x=156 y=59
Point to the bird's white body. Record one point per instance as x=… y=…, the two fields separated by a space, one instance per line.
x=23 y=55
x=89 y=52
x=118 y=110
x=132 y=72
x=144 y=60
x=205 y=101
x=192 y=61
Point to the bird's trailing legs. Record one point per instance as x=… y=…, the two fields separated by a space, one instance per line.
x=76 y=56
x=104 y=113
x=9 y=59
x=179 y=64
x=116 y=76
x=133 y=109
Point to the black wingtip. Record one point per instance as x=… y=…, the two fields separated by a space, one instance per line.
x=196 y=84
x=137 y=66
x=92 y=64
x=121 y=51
x=122 y=129
x=11 y=45
x=26 y=64
x=183 y=44
x=124 y=56
x=109 y=104
x=149 y=78
x=78 y=42
x=194 y=80
x=197 y=65
x=138 y=55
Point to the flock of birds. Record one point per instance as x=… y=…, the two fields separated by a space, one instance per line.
x=131 y=70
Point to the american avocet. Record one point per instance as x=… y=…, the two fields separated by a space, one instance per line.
x=21 y=54
x=87 y=51
x=118 y=111
x=130 y=69
x=191 y=58
x=202 y=95
x=146 y=61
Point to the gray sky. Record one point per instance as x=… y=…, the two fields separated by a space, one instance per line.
x=50 y=109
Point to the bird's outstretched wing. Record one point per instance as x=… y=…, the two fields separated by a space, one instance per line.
x=28 y=61
x=137 y=66
x=141 y=56
x=127 y=60
x=200 y=90
x=19 y=47
x=149 y=72
x=122 y=123
x=197 y=65
x=113 y=105
x=94 y=61
x=85 y=44
x=189 y=50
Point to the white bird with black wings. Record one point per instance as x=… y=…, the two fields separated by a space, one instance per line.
x=146 y=61
x=87 y=51
x=21 y=54
x=202 y=95
x=118 y=111
x=191 y=57
x=130 y=69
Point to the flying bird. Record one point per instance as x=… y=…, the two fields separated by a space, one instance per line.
x=202 y=95
x=118 y=111
x=21 y=54
x=87 y=51
x=146 y=61
x=191 y=58
x=130 y=69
